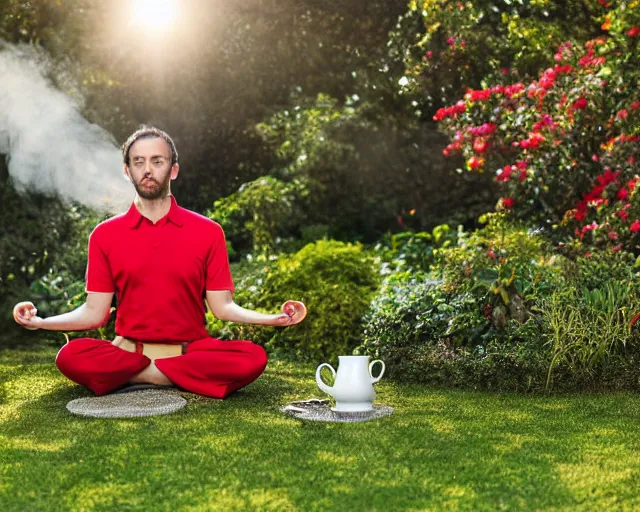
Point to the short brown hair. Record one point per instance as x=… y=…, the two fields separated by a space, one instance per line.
x=148 y=132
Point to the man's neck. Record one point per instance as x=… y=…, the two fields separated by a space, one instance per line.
x=153 y=209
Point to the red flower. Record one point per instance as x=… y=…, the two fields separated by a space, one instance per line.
x=616 y=248
x=532 y=142
x=512 y=90
x=580 y=215
x=580 y=104
x=622 y=194
x=635 y=226
x=480 y=146
x=485 y=129
x=504 y=174
x=475 y=162
x=474 y=95
x=508 y=202
x=633 y=32
x=623 y=214
x=623 y=114
x=612 y=235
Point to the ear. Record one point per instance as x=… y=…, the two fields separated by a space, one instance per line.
x=126 y=172
x=175 y=169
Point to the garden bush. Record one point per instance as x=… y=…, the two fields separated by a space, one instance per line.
x=42 y=252
x=61 y=288
x=409 y=326
x=502 y=309
x=565 y=145
x=409 y=250
x=369 y=167
x=260 y=214
x=448 y=46
x=335 y=280
x=589 y=321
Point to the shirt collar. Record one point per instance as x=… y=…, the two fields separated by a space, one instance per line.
x=134 y=217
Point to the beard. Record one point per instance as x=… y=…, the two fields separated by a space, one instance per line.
x=149 y=188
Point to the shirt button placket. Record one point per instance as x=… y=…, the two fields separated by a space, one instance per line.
x=155 y=239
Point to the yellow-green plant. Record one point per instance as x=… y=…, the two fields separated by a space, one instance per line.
x=586 y=326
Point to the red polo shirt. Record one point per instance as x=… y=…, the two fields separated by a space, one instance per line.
x=159 y=272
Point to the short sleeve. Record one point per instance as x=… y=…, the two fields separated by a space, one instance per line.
x=218 y=273
x=98 y=278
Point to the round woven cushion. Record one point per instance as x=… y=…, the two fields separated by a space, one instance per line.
x=128 y=405
x=323 y=412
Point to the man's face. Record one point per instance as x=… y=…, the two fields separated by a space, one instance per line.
x=150 y=168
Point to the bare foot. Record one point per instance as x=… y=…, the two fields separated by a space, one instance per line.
x=151 y=375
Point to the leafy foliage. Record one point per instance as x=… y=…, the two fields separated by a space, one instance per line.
x=265 y=209
x=500 y=310
x=368 y=171
x=335 y=280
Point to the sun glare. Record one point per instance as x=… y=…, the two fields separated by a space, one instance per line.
x=154 y=14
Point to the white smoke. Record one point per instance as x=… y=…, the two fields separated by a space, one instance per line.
x=50 y=147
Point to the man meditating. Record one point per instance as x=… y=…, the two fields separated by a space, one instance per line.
x=162 y=262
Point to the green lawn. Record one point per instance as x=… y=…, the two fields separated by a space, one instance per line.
x=441 y=450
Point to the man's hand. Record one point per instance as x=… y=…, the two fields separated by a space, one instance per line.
x=222 y=306
x=293 y=311
x=25 y=314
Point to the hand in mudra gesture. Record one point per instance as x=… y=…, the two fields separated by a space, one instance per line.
x=293 y=312
x=25 y=313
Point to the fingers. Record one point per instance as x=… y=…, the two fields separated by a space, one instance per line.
x=295 y=310
x=24 y=313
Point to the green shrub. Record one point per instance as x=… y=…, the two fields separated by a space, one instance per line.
x=42 y=253
x=410 y=250
x=588 y=321
x=335 y=280
x=492 y=278
x=502 y=310
x=426 y=333
x=265 y=210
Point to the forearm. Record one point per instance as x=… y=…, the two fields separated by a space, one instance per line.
x=80 y=319
x=233 y=313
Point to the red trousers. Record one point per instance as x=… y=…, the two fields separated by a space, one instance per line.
x=209 y=367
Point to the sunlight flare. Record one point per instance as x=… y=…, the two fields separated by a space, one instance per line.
x=154 y=14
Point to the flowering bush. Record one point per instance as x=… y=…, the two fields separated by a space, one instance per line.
x=566 y=145
x=449 y=46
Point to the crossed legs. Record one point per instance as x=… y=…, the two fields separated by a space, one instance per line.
x=210 y=367
x=151 y=375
